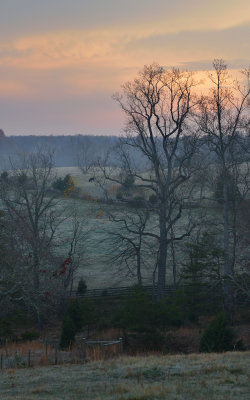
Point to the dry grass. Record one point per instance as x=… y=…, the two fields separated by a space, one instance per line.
x=19 y=355
x=34 y=354
x=23 y=348
x=209 y=377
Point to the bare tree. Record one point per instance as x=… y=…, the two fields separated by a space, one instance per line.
x=85 y=154
x=157 y=105
x=25 y=197
x=9 y=279
x=33 y=216
x=129 y=241
x=223 y=119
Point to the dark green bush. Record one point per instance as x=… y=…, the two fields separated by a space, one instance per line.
x=172 y=311
x=199 y=277
x=76 y=312
x=61 y=184
x=82 y=287
x=68 y=332
x=79 y=314
x=218 y=336
x=136 y=313
x=30 y=335
x=141 y=319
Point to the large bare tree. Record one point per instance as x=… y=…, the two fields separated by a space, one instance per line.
x=157 y=105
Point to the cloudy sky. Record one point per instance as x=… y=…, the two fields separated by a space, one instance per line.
x=61 y=60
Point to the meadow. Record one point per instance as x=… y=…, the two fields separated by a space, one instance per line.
x=96 y=267
x=180 y=377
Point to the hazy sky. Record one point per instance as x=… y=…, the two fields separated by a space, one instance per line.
x=61 y=60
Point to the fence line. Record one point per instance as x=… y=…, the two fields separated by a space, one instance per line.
x=81 y=352
x=123 y=291
x=126 y=290
x=117 y=291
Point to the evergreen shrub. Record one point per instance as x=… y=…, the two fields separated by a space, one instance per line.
x=82 y=287
x=79 y=314
x=68 y=332
x=219 y=337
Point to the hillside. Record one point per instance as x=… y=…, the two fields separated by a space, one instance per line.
x=65 y=147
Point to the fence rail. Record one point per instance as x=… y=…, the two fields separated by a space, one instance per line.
x=98 y=349
x=121 y=292
x=117 y=291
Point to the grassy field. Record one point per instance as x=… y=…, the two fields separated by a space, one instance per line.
x=97 y=269
x=98 y=248
x=82 y=181
x=194 y=377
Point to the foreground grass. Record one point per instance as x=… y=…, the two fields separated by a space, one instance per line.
x=223 y=376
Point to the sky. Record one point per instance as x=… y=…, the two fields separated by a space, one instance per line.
x=61 y=60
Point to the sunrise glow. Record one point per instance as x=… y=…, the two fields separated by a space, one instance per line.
x=61 y=63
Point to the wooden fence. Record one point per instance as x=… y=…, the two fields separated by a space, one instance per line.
x=117 y=291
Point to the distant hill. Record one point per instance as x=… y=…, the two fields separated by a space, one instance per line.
x=65 y=147
x=90 y=148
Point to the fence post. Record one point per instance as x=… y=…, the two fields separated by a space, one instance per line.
x=29 y=358
x=6 y=347
x=121 y=345
x=1 y=361
x=84 y=347
x=101 y=350
x=46 y=348
x=55 y=355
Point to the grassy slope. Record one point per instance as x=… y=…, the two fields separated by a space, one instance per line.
x=96 y=267
x=222 y=376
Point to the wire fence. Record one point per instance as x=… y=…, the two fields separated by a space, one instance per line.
x=48 y=352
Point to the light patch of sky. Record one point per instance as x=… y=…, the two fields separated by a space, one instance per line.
x=35 y=16
x=56 y=55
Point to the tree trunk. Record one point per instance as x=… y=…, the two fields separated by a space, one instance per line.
x=161 y=284
x=139 y=277
x=36 y=263
x=227 y=287
x=173 y=258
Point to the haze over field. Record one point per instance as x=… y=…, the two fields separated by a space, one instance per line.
x=61 y=61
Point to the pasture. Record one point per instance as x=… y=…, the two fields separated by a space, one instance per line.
x=98 y=248
x=153 y=377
